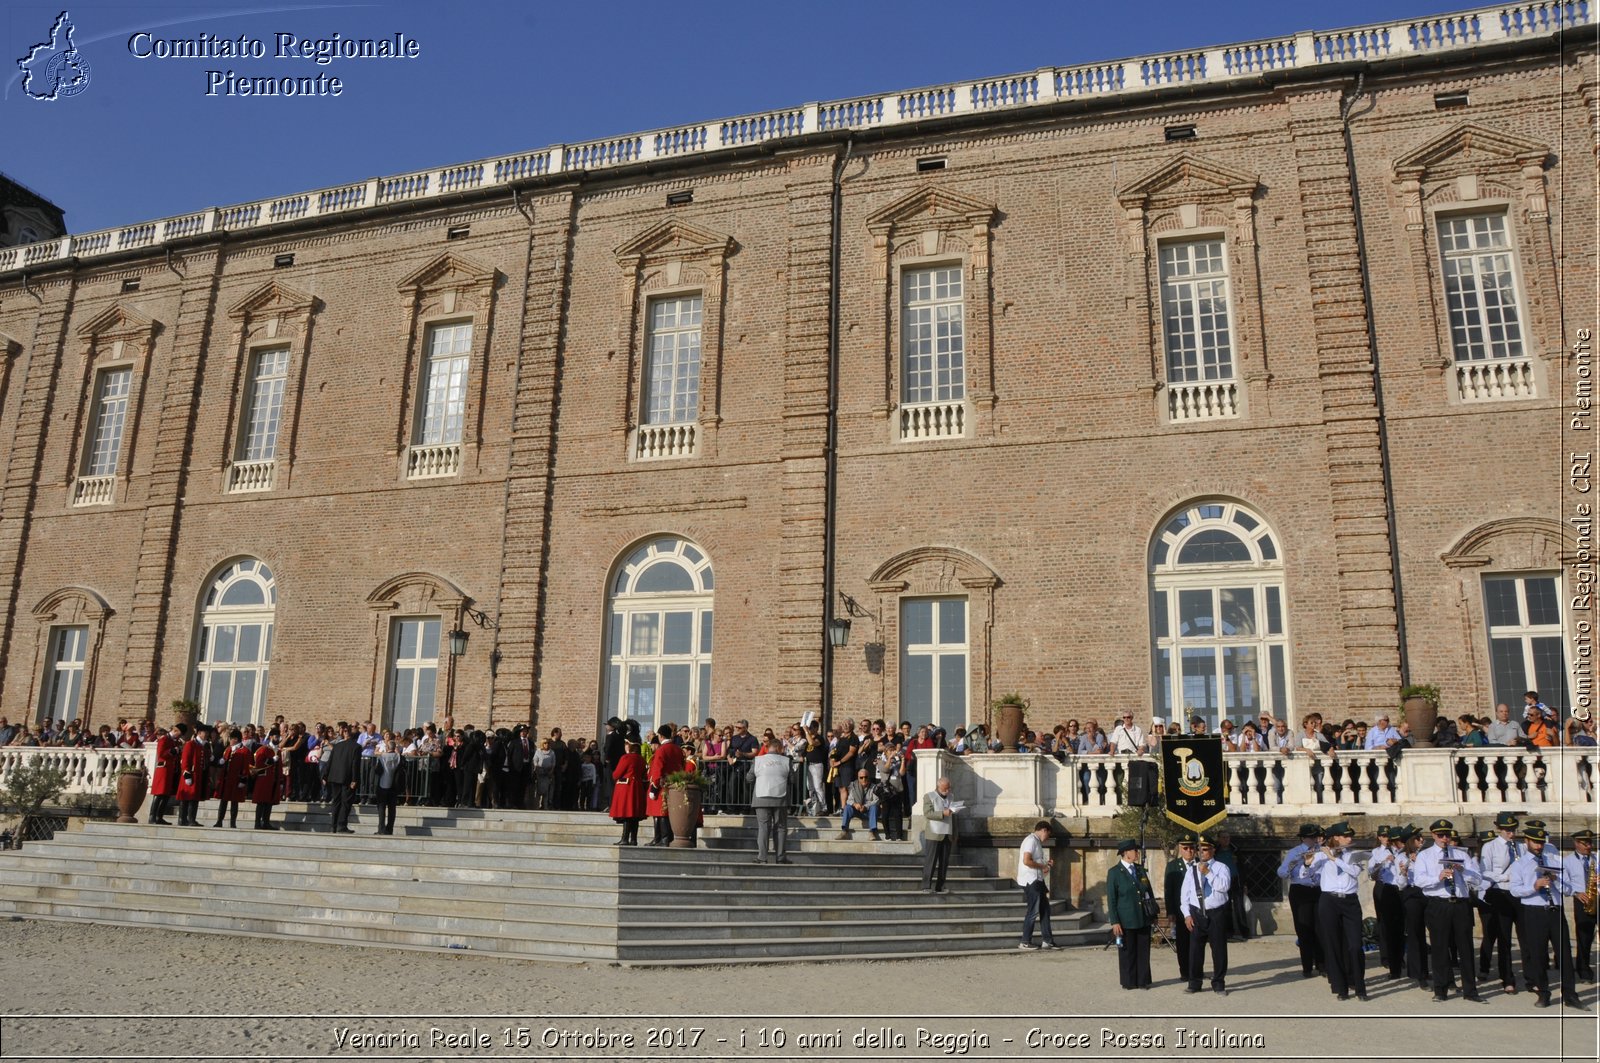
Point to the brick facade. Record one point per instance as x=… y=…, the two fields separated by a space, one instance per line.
x=1042 y=514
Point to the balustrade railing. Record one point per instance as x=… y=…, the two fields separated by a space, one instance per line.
x=93 y=490
x=428 y=461
x=244 y=476
x=1204 y=401
x=1397 y=39
x=652 y=442
x=1419 y=783
x=88 y=771
x=933 y=420
x=1495 y=379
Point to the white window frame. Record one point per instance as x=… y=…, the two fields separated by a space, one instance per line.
x=669 y=407
x=626 y=657
x=442 y=396
x=213 y=618
x=1466 y=310
x=71 y=670
x=1261 y=573
x=102 y=444
x=407 y=673
x=1202 y=382
x=1525 y=632
x=937 y=650
x=263 y=419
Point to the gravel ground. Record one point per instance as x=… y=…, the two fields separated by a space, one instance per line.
x=148 y=994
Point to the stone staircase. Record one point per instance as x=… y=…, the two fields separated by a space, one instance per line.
x=534 y=885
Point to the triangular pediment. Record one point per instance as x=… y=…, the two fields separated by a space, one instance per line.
x=935 y=203
x=1190 y=176
x=674 y=237
x=449 y=270
x=1470 y=142
x=272 y=298
x=119 y=320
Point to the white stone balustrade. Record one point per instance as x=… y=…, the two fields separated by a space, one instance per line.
x=652 y=442
x=1396 y=39
x=1202 y=401
x=93 y=490
x=89 y=771
x=932 y=420
x=433 y=460
x=1496 y=378
x=1420 y=784
x=245 y=476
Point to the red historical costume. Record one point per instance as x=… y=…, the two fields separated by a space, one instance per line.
x=628 y=796
x=164 y=783
x=192 y=776
x=668 y=758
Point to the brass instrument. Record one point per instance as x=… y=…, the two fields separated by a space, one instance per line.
x=1593 y=890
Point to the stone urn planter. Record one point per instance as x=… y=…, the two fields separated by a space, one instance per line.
x=186 y=711
x=685 y=797
x=1420 y=703
x=1010 y=712
x=132 y=785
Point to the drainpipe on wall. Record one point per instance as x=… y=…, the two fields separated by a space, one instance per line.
x=831 y=450
x=1346 y=113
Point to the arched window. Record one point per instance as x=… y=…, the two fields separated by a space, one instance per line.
x=1220 y=647
x=235 y=645
x=659 y=635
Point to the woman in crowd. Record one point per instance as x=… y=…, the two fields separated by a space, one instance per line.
x=390 y=765
x=1152 y=741
x=628 y=793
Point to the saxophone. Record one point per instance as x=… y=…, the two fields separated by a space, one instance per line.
x=1593 y=902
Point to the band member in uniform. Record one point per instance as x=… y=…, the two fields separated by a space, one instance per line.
x=1339 y=912
x=1304 y=891
x=1581 y=872
x=666 y=760
x=628 y=793
x=1172 y=893
x=1539 y=882
x=264 y=790
x=1206 y=913
x=1415 y=905
x=1387 y=880
x=235 y=784
x=192 y=763
x=1129 y=898
x=1447 y=875
x=1495 y=860
x=164 y=783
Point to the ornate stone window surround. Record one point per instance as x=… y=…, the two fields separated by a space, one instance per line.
x=1475 y=170
x=1187 y=199
x=68 y=607
x=935 y=227
x=942 y=572
x=119 y=338
x=449 y=290
x=274 y=315
x=671 y=259
x=413 y=594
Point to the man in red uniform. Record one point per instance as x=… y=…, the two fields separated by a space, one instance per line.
x=164 y=783
x=668 y=758
x=627 y=796
x=234 y=784
x=264 y=791
x=191 y=778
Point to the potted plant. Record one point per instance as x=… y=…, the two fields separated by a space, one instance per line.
x=186 y=711
x=30 y=788
x=1420 y=703
x=685 y=796
x=1010 y=710
x=133 y=782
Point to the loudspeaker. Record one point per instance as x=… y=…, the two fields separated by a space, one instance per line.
x=1143 y=786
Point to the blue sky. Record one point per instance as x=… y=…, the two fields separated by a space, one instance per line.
x=143 y=140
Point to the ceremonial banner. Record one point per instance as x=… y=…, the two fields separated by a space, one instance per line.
x=1194 y=781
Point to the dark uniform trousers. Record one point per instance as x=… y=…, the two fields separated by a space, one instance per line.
x=1213 y=931
x=1391 y=916
x=1415 y=905
x=1543 y=926
x=1183 y=939
x=1339 y=919
x=1497 y=933
x=1303 y=906
x=1133 y=958
x=1450 y=928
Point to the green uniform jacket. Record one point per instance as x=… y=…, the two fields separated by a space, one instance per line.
x=1123 y=896
x=1172 y=885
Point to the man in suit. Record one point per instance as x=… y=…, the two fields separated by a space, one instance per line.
x=344 y=771
x=771 y=801
x=1127 y=887
x=1172 y=892
x=938 y=835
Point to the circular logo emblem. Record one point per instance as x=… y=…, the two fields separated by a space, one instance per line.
x=66 y=75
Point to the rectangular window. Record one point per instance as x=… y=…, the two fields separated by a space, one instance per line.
x=1526 y=647
x=1194 y=311
x=444 y=399
x=110 y=415
x=264 y=410
x=672 y=370
x=413 y=672
x=932 y=337
x=933 y=661
x=64 y=684
x=1480 y=287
